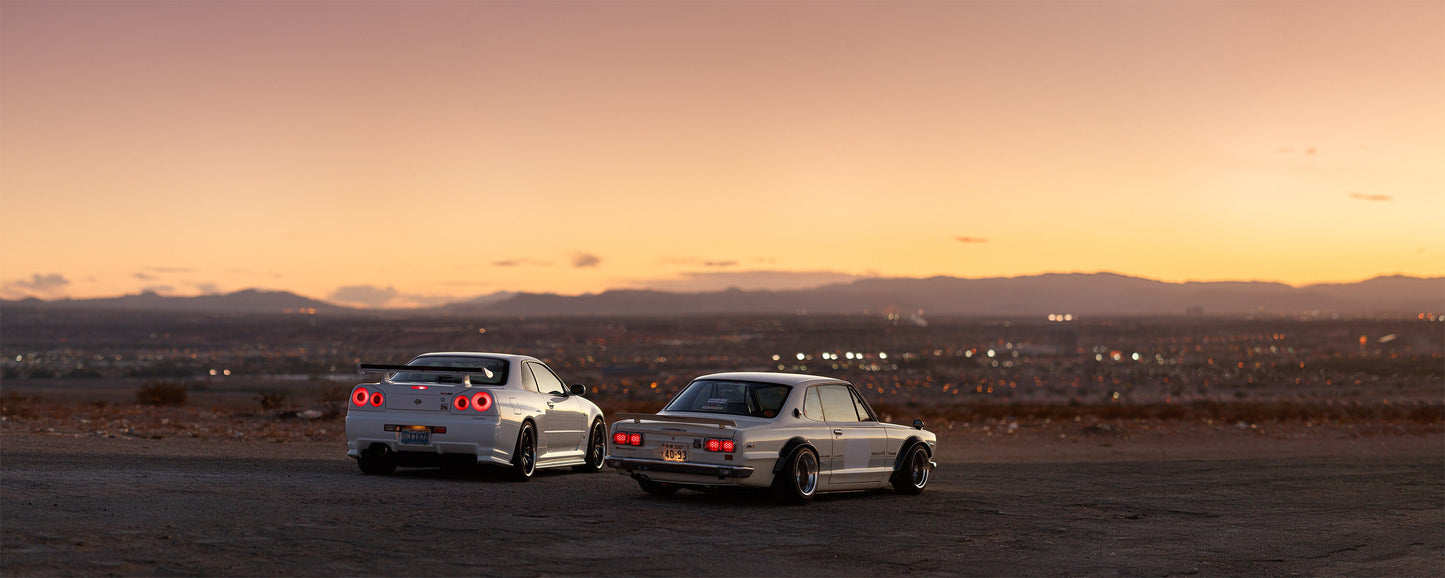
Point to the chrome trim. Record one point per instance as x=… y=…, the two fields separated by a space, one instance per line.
x=641 y=465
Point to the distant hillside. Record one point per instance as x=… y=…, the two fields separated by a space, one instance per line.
x=1082 y=294
x=247 y=301
x=1095 y=294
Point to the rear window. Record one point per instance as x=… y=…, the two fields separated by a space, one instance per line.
x=731 y=398
x=491 y=371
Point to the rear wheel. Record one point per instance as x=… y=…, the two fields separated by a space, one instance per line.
x=524 y=458
x=657 y=489
x=912 y=474
x=596 y=449
x=798 y=481
x=376 y=463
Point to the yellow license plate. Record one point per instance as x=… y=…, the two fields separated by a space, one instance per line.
x=674 y=452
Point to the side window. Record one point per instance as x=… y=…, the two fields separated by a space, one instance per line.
x=864 y=413
x=547 y=381
x=812 y=405
x=838 y=403
x=528 y=382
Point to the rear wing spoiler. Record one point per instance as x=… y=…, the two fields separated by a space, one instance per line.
x=638 y=417
x=364 y=368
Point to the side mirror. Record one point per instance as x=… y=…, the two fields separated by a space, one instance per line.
x=577 y=389
x=917 y=424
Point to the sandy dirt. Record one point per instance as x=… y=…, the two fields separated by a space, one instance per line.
x=118 y=495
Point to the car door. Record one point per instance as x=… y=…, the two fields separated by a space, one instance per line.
x=859 y=443
x=566 y=421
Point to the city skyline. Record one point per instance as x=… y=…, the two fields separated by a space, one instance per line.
x=400 y=154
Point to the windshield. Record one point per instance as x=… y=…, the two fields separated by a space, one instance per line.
x=492 y=371
x=731 y=397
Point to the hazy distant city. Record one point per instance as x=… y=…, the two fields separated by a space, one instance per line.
x=900 y=359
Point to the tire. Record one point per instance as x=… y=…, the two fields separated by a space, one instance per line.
x=798 y=482
x=375 y=463
x=657 y=489
x=524 y=457
x=913 y=472
x=596 y=449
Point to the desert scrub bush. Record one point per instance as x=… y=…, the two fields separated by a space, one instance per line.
x=161 y=393
x=335 y=394
x=271 y=399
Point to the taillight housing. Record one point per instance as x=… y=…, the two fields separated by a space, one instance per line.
x=377 y=399
x=481 y=401
x=719 y=445
x=623 y=438
x=359 y=397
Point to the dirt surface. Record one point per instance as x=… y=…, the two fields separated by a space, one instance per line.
x=1007 y=499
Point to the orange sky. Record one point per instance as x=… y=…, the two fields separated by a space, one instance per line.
x=404 y=153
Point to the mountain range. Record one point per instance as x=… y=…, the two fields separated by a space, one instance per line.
x=1092 y=294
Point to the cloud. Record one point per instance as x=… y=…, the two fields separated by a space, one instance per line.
x=520 y=262
x=37 y=285
x=143 y=276
x=582 y=260
x=159 y=289
x=208 y=288
x=702 y=281
x=695 y=261
x=169 y=269
x=719 y=263
x=1364 y=197
x=970 y=239
x=364 y=295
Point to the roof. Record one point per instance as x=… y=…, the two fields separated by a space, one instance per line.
x=769 y=377
x=510 y=357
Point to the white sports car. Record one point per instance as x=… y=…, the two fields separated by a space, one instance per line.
x=796 y=434
x=458 y=410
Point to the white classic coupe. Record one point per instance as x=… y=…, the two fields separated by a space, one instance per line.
x=796 y=434
x=457 y=410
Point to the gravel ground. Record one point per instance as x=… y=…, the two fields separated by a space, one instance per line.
x=1038 y=499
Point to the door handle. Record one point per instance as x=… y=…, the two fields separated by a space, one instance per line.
x=837 y=432
x=551 y=405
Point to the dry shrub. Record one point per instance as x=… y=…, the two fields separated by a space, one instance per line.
x=161 y=393
x=271 y=399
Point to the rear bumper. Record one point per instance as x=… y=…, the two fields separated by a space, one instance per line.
x=721 y=472
x=476 y=436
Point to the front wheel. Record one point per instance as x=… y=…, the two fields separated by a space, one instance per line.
x=596 y=449
x=912 y=474
x=524 y=458
x=798 y=481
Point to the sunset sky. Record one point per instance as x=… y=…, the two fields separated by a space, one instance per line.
x=401 y=153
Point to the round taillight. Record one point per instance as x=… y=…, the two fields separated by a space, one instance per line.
x=462 y=403
x=376 y=399
x=619 y=438
x=481 y=401
x=714 y=445
x=634 y=439
x=359 y=396
x=728 y=446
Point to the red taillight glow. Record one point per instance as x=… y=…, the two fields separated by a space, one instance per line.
x=728 y=446
x=462 y=403
x=717 y=445
x=376 y=399
x=359 y=396
x=481 y=401
x=714 y=445
x=418 y=387
x=623 y=438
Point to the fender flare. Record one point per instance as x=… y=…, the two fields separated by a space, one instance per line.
x=789 y=447
x=908 y=447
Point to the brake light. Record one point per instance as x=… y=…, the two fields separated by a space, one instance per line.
x=418 y=387
x=481 y=401
x=376 y=399
x=623 y=438
x=360 y=396
x=462 y=403
x=717 y=445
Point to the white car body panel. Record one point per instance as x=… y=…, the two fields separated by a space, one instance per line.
x=562 y=421
x=852 y=455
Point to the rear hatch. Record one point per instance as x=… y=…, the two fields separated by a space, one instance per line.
x=679 y=439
